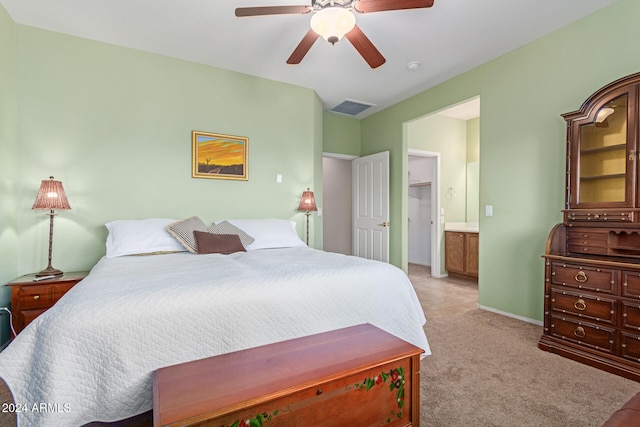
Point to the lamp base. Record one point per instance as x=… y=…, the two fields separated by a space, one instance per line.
x=50 y=271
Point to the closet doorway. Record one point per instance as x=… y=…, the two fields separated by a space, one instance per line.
x=423 y=202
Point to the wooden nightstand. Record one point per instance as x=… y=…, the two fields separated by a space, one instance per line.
x=30 y=299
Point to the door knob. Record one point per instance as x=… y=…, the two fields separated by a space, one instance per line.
x=384 y=224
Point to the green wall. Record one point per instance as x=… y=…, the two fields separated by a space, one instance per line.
x=473 y=170
x=522 y=145
x=114 y=124
x=8 y=146
x=473 y=140
x=341 y=134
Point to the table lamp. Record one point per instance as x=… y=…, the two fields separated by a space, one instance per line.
x=51 y=196
x=308 y=205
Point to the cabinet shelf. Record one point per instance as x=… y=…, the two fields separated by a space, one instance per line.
x=608 y=176
x=597 y=150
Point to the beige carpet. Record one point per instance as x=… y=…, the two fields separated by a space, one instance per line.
x=486 y=370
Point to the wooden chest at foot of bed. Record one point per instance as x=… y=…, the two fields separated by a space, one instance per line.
x=359 y=376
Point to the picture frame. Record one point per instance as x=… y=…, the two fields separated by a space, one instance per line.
x=219 y=156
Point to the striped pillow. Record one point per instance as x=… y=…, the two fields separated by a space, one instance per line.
x=183 y=232
x=225 y=227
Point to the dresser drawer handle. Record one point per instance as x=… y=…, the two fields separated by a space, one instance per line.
x=36 y=297
x=581 y=277
x=319 y=392
x=579 y=332
x=580 y=305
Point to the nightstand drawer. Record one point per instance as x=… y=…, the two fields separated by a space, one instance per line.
x=58 y=290
x=37 y=296
x=27 y=316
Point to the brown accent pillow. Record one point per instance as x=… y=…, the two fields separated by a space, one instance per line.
x=209 y=243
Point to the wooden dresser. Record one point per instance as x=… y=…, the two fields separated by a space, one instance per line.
x=30 y=299
x=359 y=376
x=592 y=259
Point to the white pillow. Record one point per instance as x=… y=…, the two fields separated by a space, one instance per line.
x=269 y=233
x=140 y=236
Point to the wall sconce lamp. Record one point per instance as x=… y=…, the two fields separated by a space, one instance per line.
x=603 y=114
x=308 y=205
x=51 y=196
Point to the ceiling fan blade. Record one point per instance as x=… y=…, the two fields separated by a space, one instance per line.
x=271 y=10
x=365 y=6
x=303 y=47
x=365 y=47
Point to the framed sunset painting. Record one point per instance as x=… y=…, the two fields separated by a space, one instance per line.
x=219 y=156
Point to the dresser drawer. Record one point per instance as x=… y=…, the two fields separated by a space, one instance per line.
x=598 y=216
x=583 y=305
x=584 y=333
x=588 y=241
x=630 y=346
x=584 y=277
x=631 y=315
x=631 y=284
x=37 y=296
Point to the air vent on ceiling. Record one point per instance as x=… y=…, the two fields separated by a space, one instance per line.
x=350 y=107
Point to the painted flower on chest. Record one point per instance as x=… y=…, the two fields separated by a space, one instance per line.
x=396 y=382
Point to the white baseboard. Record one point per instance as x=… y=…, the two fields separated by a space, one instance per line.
x=504 y=313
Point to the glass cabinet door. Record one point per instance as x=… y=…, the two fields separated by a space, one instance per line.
x=604 y=156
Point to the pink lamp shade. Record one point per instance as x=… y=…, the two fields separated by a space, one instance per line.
x=308 y=202
x=51 y=196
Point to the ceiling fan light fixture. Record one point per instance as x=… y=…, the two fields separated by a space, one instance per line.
x=333 y=23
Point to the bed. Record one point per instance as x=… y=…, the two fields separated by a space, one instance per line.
x=90 y=357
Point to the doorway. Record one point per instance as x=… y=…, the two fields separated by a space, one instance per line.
x=420 y=213
x=424 y=223
x=337 y=203
x=451 y=137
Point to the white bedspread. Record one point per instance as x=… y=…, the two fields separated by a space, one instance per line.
x=90 y=357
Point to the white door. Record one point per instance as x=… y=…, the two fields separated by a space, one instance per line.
x=371 y=206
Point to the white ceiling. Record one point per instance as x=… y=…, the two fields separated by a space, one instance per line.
x=448 y=39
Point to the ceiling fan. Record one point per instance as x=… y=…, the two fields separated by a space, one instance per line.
x=333 y=19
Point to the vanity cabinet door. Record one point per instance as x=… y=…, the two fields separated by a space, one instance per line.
x=461 y=253
x=455 y=245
